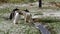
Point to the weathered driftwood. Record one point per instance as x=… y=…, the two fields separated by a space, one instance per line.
x=44 y=19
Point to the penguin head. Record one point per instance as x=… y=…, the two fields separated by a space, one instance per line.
x=16 y=9
x=26 y=10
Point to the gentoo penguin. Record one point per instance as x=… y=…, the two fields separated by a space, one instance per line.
x=12 y=13
x=27 y=16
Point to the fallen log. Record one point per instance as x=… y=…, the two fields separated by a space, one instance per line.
x=44 y=19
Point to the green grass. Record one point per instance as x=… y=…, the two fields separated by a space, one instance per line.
x=23 y=27
x=6 y=10
x=56 y=26
x=7 y=28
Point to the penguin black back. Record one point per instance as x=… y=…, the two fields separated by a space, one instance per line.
x=12 y=13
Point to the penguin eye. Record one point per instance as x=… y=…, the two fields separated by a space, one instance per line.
x=20 y=13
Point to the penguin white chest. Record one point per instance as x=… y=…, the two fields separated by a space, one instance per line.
x=16 y=18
